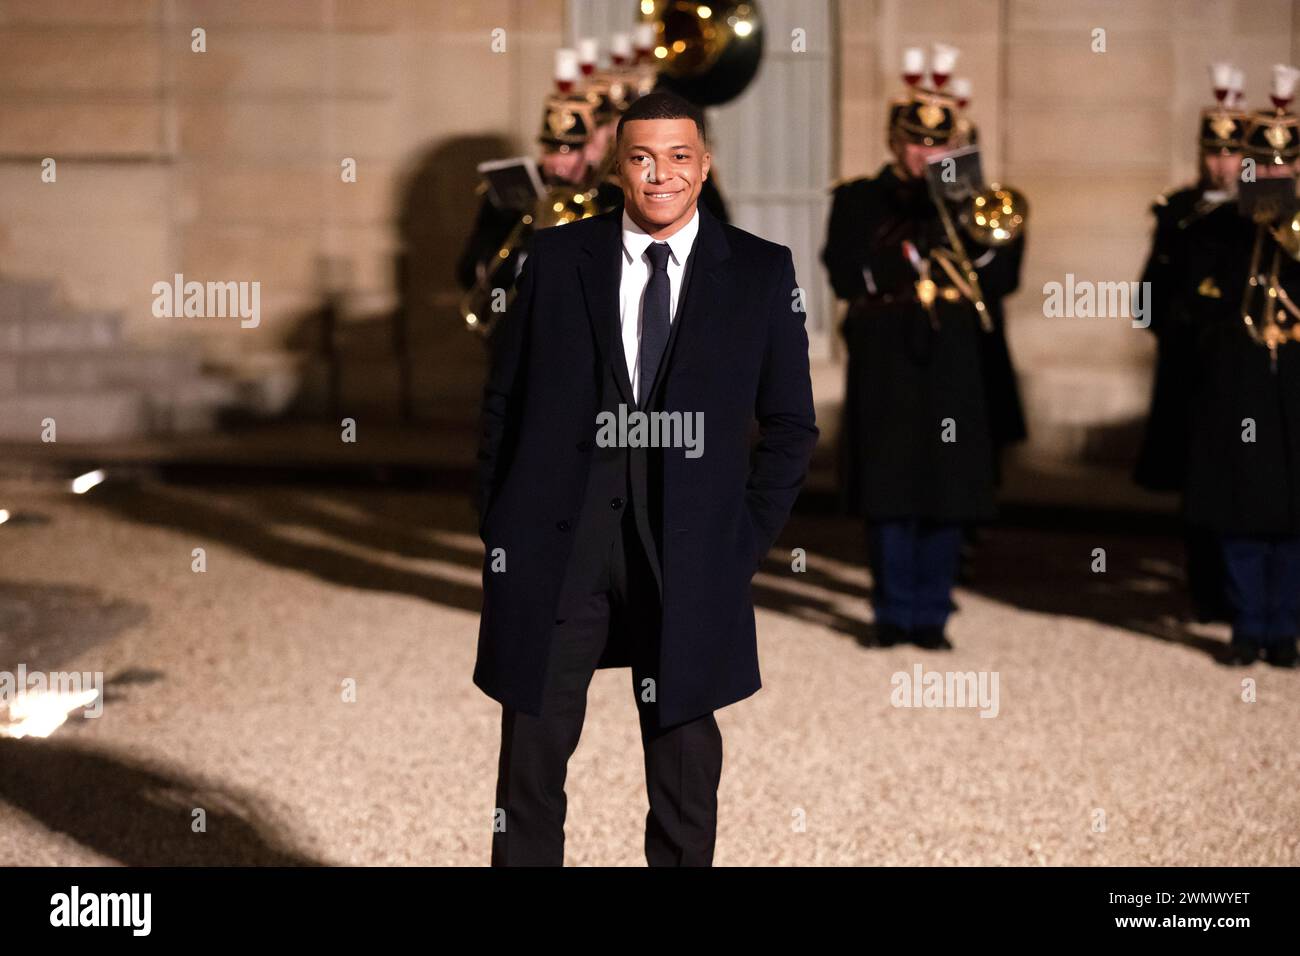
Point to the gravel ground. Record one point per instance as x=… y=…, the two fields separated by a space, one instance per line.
x=1118 y=739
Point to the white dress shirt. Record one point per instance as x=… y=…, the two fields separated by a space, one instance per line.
x=636 y=275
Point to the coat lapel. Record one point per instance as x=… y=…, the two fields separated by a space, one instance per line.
x=601 y=270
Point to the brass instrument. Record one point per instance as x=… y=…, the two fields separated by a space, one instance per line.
x=565 y=203
x=1265 y=329
x=708 y=52
x=995 y=217
x=1287 y=235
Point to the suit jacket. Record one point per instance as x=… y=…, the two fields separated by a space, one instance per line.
x=739 y=353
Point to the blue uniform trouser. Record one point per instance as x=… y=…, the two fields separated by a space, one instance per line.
x=1262 y=575
x=914 y=566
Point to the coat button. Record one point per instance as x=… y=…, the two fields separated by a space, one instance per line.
x=616 y=503
x=562 y=525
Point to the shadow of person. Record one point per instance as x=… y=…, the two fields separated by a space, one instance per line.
x=1036 y=559
x=383 y=521
x=254 y=531
x=1055 y=567
x=407 y=356
x=832 y=551
x=136 y=814
x=438 y=208
x=44 y=625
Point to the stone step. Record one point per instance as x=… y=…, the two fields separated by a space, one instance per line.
x=59 y=330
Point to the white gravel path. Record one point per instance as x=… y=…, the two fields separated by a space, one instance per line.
x=1111 y=746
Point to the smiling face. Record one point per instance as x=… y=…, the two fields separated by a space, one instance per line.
x=662 y=165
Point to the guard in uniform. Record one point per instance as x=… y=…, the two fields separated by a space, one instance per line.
x=1243 y=478
x=1189 y=221
x=917 y=436
x=568 y=124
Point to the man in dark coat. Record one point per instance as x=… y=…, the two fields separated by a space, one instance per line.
x=1243 y=477
x=917 y=439
x=605 y=547
x=1189 y=223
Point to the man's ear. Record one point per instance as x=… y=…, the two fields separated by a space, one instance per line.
x=706 y=164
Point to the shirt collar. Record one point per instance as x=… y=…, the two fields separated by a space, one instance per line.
x=636 y=240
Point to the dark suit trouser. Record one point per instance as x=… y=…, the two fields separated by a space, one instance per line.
x=683 y=763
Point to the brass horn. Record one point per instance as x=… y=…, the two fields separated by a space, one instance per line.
x=481 y=306
x=995 y=216
x=708 y=52
x=1270 y=317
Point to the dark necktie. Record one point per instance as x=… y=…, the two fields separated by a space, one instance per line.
x=654 y=318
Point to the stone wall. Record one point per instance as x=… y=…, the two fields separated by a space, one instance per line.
x=225 y=164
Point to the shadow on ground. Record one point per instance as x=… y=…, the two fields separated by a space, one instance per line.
x=1039 y=560
x=138 y=815
x=44 y=625
x=394 y=523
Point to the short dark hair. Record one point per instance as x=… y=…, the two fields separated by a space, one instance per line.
x=662 y=104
